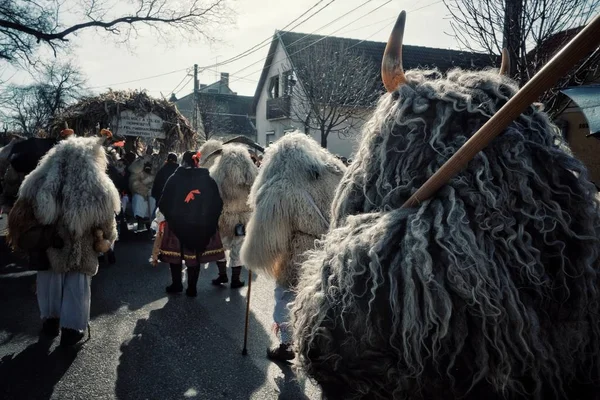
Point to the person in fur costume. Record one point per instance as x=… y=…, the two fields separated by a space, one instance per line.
x=291 y=199
x=488 y=290
x=65 y=214
x=232 y=168
x=140 y=184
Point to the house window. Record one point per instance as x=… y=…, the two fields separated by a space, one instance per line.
x=288 y=82
x=274 y=87
x=270 y=138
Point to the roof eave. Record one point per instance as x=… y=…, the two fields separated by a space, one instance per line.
x=265 y=71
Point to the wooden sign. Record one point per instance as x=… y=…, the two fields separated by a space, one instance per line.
x=130 y=124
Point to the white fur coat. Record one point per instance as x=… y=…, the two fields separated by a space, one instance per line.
x=70 y=189
x=234 y=172
x=291 y=199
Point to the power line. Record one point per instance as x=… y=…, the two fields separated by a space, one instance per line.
x=267 y=41
x=140 y=79
x=329 y=35
x=315 y=42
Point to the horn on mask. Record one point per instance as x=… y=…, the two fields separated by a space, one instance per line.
x=505 y=62
x=392 y=73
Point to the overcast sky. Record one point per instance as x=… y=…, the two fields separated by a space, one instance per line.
x=107 y=64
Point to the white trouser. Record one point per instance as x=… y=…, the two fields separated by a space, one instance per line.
x=66 y=296
x=281 y=314
x=235 y=246
x=143 y=207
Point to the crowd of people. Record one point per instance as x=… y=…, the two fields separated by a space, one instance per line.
x=488 y=289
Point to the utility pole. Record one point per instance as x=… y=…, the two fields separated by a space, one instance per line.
x=512 y=35
x=195 y=99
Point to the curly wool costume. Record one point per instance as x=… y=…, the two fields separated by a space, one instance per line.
x=70 y=189
x=234 y=172
x=489 y=290
x=295 y=172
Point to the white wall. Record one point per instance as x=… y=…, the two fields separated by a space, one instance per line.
x=342 y=146
x=280 y=64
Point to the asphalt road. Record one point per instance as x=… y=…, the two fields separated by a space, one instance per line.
x=144 y=345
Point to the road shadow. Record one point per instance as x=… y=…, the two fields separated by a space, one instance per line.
x=34 y=372
x=179 y=352
x=192 y=349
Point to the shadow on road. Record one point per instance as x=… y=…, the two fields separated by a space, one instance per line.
x=33 y=373
x=181 y=353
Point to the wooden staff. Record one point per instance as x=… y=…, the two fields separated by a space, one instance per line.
x=581 y=45
x=245 y=350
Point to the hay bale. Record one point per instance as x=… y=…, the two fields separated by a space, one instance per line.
x=85 y=115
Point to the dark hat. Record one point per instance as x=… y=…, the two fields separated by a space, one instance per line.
x=172 y=157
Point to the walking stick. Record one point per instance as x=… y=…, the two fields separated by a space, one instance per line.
x=245 y=350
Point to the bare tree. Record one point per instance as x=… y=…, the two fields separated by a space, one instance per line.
x=336 y=87
x=29 y=108
x=27 y=24
x=213 y=116
x=522 y=26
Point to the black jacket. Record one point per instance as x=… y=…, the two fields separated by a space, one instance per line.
x=192 y=205
x=161 y=179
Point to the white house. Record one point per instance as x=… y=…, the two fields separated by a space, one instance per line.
x=273 y=102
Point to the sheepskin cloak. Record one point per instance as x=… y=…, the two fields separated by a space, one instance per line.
x=71 y=189
x=291 y=199
x=234 y=172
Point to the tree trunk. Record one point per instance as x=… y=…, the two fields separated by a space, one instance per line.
x=323 y=139
x=512 y=37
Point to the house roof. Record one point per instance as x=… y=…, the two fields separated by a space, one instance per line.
x=238 y=109
x=296 y=44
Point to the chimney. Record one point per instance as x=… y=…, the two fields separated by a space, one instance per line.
x=225 y=78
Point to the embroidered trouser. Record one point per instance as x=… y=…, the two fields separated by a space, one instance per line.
x=281 y=314
x=66 y=296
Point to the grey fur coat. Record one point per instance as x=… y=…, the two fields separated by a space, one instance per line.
x=291 y=199
x=234 y=172
x=70 y=189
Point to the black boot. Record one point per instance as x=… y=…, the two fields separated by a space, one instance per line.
x=235 y=278
x=176 y=285
x=222 y=278
x=193 y=273
x=283 y=352
x=51 y=327
x=70 y=337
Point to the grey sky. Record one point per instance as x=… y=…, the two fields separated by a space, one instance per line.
x=106 y=63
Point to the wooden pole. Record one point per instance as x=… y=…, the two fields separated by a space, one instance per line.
x=245 y=350
x=581 y=45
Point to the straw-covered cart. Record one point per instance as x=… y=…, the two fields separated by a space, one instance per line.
x=140 y=119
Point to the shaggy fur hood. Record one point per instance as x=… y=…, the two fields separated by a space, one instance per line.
x=70 y=189
x=487 y=290
x=295 y=172
x=234 y=172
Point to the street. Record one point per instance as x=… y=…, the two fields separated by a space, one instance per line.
x=145 y=345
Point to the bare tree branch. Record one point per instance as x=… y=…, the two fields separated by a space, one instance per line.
x=26 y=24
x=29 y=108
x=482 y=25
x=337 y=86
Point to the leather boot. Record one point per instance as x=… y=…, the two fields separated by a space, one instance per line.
x=283 y=352
x=235 y=278
x=70 y=337
x=51 y=327
x=193 y=274
x=222 y=278
x=176 y=285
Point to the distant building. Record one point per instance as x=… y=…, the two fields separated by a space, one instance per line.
x=568 y=115
x=272 y=100
x=221 y=112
